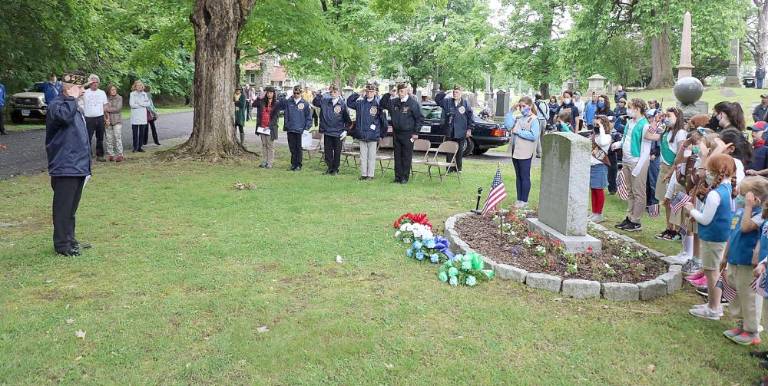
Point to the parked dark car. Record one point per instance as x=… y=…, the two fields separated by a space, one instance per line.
x=486 y=134
x=28 y=104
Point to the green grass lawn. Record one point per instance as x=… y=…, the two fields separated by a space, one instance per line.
x=35 y=124
x=185 y=269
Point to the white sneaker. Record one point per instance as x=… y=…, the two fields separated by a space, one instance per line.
x=596 y=218
x=706 y=313
x=705 y=305
x=521 y=204
x=680 y=258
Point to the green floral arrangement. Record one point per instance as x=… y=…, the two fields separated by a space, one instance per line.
x=464 y=270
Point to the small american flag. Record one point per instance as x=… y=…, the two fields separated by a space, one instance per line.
x=653 y=210
x=497 y=194
x=679 y=201
x=760 y=285
x=729 y=293
x=621 y=185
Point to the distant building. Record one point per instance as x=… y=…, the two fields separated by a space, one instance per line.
x=267 y=71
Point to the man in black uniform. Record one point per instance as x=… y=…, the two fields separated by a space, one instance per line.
x=457 y=115
x=67 y=144
x=406 y=121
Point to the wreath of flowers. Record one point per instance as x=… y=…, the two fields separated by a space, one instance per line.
x=464 y=270
x=412 y=218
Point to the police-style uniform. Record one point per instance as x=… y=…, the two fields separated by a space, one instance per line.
x=298 y=118
x=370 y=126
x=334 y=119
x=457 y=115
x=69 y=163
x=406 y=121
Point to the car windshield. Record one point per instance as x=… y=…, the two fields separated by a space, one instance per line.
x=431 y=112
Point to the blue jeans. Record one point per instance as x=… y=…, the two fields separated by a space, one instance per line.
x=650 y=184
x=522 y=178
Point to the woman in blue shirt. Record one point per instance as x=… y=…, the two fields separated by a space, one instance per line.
x=525 y=133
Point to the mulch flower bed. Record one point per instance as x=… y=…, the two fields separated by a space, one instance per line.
x=515 y=245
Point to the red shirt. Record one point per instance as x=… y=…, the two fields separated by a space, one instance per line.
x=265 y=115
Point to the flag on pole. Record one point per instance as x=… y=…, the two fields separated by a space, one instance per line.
x=497 y=193
x=653 y=210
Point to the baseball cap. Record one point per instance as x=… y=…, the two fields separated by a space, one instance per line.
x=93 y=78
x=759 y=126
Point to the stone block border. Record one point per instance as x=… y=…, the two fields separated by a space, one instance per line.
x=665 y=284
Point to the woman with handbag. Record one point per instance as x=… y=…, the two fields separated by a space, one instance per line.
x=525 y=133
x=599 y=162
x=266 y=131
x=151 y=118
x=139 y=102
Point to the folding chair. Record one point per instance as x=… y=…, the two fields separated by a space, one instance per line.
x=385 y=143
x=420 y=146
x=349 y=148
x=316 y=147
x=450 y=148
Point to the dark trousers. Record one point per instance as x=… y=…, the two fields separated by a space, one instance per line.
x=66 y=198
x=294 y=145
x=145 y=136
x=139 y=132
x=332 y=152
x=2 y=123
x=650 y=183
x=96 y=125
x=613 y=171
x=459 y=155
x=759 y=83
x=522 y=178
x=403 y=156
x=315 y=117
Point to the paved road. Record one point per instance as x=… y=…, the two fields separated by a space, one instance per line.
x=24 y=152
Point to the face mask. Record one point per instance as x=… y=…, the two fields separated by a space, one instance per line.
x=710 y=178
x=567 y=101
x=667 y=122
x=600 y=105
x=526 y=111
x=631 y=113
x=695 y=150
x=739 y=201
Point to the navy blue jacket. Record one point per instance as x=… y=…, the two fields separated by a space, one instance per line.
x=406 y=116
x=334 y=118
x=51 y=90
x=370 y=120
x=456 y=121
x=66 y=139
x=298 y=116
x=2 y=95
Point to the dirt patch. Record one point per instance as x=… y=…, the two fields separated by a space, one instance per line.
x=516 y=246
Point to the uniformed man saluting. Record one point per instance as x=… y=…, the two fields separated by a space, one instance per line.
x=69 y=161
x=457 y=115
x=406 y=121
x=298 y=117
x=334 y=119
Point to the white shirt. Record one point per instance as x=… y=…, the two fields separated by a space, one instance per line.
x=93 y=103
x=603 y=141
x=739 y=171
x=645 y=147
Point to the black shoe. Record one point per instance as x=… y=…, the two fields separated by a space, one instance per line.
x=405 y=181
x=369 y=178
x=298 y=168
x=292 y=168
x=69 y=252
x=157 y=143
x=759 y=354
x=612 y=192
x=664 y=235
x=328 y=171
x=633 y=227
x=702 y=291
x=3 y=133
x=396 y=181
x=363 y=178
x=624 y=223
x=101 y=159
x=140 y=150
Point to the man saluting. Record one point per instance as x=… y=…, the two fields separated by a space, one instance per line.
x=69 y=161
x=457 y=115
x=406 y=121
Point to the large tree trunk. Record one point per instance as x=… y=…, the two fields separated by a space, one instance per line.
x=217 y=24
x=761 y=48
x=661 y=61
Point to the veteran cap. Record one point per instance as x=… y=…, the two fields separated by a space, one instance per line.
x=75 y=77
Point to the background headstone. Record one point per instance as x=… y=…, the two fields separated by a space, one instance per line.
x=502 y=103
x=732 y=76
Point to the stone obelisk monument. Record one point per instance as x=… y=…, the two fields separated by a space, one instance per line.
x=732 y=76
x=685 y=68
x=688 y=90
